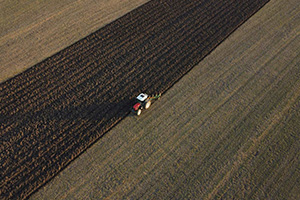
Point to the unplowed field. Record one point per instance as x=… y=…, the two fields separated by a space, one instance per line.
x=55 y=110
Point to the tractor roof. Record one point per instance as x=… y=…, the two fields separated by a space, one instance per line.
x=142 y=97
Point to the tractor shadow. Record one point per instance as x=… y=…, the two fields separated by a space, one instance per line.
x=56 y=117
x=92 y=112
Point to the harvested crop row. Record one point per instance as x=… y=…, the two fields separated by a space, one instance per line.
x=58 y=108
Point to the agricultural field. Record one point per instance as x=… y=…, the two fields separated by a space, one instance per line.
x=228 y=129
x=31 y=31
x=56 y=109
x=198 y=141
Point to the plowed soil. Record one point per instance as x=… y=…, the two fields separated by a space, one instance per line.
x=55 y=110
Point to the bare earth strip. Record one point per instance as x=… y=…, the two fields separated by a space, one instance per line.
x=31 y=31
x=228 y=129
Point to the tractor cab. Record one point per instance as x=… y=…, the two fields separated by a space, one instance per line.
x=142 y=97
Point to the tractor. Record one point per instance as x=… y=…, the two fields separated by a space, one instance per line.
x=143 y=101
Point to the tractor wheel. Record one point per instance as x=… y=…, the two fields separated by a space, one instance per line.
x=138 y=113
x=148 y=104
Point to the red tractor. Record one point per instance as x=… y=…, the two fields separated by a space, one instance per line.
x=143 y=101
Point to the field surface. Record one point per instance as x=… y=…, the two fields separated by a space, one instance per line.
x=31 y=31
x=228 y=129
x=56 y=109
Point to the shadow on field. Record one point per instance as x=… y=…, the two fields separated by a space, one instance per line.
x=96 y=112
